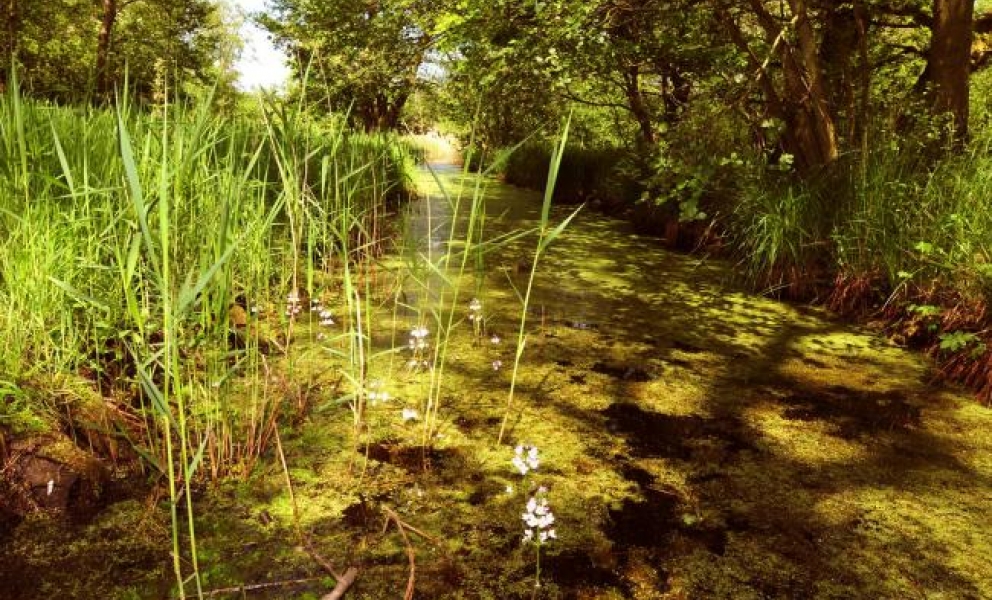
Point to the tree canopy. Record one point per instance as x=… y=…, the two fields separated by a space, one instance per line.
x=103 y=43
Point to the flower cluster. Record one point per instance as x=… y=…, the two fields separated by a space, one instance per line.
x=293 y=307
x=323 y=313
x=526 y=459
x=538 y=519
x=419 y=345
x=375 y=392
x=418 y=338
x=475 y=311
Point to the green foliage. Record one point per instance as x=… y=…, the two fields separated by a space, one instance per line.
x=83 y=261
x=185 y=44
x=585 y=174
x=357 y=57
x=955 y=341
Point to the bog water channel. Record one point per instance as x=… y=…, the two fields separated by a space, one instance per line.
x=696 y=441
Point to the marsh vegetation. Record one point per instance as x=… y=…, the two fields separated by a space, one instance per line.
x=496 y=300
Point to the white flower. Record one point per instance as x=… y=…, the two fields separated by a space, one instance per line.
x=375 y=393
x=525 y=459
x=475 y=305
x=497 y=364
x=410 y=414
x=518 y=461
x=509 y=489
x=538 y=519
x=495 y=339
x=418 y=338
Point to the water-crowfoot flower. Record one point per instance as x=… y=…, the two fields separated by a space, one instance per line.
x=410 y=414
x=526 y=459
x=495 y=339
x=419 y=346
x=475 y=311
x=497 y=364
x=326 y=317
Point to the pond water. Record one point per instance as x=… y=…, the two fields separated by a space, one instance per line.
x=696 y=441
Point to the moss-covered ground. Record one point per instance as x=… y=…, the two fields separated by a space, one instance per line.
x=696 y=442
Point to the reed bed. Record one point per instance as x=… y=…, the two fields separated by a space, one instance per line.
x=150 y=263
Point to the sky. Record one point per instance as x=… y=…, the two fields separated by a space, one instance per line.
x=260 y=65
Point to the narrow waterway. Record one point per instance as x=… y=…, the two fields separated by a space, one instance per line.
x=695 y=441
x=759 y=449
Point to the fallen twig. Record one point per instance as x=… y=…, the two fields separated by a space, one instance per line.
x=344 y=582
x=259 y=586
x=410 y=554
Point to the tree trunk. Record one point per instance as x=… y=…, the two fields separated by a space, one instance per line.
x=103 y=47
x=8 y=49
x=949 y=61
x=810 y=135
x=814 y=121
x=636 y=104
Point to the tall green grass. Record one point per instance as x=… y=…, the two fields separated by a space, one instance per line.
x=134 y=246
x=894 y=218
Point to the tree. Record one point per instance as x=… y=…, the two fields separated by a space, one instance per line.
x=99 y=39
x=640 y=58
x=361 y=56
x=949 y=61
x=798 y=98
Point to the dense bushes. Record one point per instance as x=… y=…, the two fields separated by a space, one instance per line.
x=595 y=175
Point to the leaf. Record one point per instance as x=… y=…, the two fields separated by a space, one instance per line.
x=80 y=296
x=956 y=340
x=554 y=233
x=197 y=459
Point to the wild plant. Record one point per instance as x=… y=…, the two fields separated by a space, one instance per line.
x=160 y=245
x=546 y=235
x=539 y=529
x=537 y=516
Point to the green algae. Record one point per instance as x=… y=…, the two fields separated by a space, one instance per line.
x=696 y=442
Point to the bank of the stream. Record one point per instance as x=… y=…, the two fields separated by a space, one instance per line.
x=696 y=441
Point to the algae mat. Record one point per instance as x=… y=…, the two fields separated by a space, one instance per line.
x=696 y=441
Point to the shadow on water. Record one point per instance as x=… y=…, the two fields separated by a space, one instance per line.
x=765 y=494
x=721 y=446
